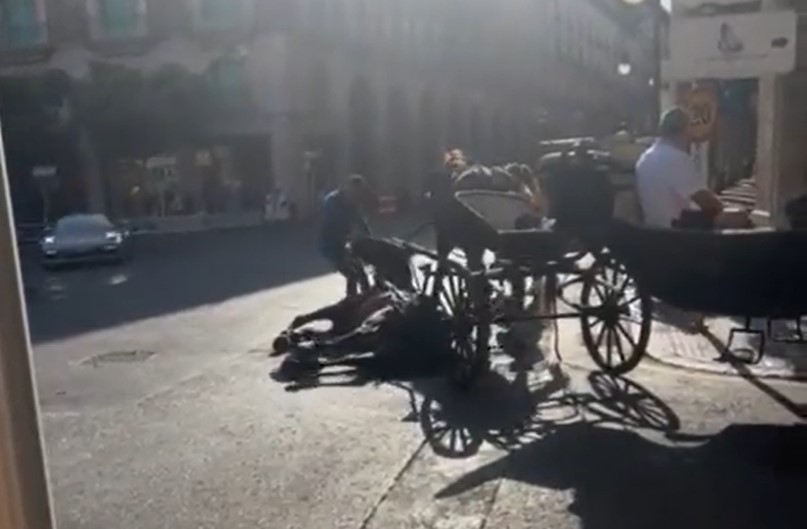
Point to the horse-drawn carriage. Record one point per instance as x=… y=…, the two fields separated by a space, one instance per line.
x=587 y=263
x=560 y=268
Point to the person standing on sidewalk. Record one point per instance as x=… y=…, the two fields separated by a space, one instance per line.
x=342 y=217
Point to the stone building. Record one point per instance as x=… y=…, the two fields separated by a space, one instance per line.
x=329 y=87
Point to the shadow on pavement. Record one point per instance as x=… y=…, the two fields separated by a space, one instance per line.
x=171 y=273
x=741 y=367
x=510 y=415
x=748 y=476
x=507 y=407
x=596 y=444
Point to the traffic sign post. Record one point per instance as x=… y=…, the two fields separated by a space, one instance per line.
x=702 y=105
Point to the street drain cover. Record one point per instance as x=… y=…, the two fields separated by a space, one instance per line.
x=119 y=357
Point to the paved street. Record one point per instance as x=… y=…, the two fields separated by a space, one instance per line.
x=159 y=413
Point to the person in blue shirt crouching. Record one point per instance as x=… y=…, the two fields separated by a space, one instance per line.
x=342 y=218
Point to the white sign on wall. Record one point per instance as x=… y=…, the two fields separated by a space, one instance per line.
x=732 y=46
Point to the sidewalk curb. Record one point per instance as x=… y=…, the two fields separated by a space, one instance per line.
x=722 y=369
x=214 y=229
x=310 y=223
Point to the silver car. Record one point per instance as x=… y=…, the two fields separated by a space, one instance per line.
x=84 y=238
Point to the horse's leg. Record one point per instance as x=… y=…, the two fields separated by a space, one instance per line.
x=294 y=335
x=360 y=340
x=325 y=313
x=336 y=314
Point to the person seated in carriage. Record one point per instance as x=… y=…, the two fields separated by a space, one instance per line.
x=460 y=173
x=672 y=192
x=466 y=175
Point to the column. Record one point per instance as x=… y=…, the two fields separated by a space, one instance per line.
x=276 y=74
x=771 y=119
x=287 y=162
x=769 y=124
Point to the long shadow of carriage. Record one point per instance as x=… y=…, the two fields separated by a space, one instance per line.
x=595 y=267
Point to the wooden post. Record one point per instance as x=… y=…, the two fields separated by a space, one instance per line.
x=24 y=495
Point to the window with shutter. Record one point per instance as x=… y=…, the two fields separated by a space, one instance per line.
x=22 y=23
x=118 y=18
x=228 y=82
x=222 y=14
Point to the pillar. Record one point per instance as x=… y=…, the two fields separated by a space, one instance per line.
x=287 y=162
x=778 y=165
x=769 y=119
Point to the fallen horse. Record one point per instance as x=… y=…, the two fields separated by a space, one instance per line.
x=390 y=318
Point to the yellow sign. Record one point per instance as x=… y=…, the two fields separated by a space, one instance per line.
x=702 y=109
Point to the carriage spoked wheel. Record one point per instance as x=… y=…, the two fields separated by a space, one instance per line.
x=616 y=318
x=462 y=299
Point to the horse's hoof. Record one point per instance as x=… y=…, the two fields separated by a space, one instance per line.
x=295 y=368
x=281 y=345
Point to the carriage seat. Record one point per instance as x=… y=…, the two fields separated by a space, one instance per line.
x=533 y=245
x=757 y=273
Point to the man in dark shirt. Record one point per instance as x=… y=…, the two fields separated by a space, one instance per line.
x=342 y=216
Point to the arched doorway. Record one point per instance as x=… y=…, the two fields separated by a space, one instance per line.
x=477 y=140
x=363 y=119
x=320 y=141
x=454 y=133
x=317 y=89
x=399 y=142
x=428 y=133
x=498 y=132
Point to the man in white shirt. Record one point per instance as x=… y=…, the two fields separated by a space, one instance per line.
x=667 y=179
x=668 y=182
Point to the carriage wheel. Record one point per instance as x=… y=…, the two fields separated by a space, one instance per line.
x=470 y=330
x=616 y=318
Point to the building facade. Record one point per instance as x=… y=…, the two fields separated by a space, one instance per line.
x=309 y=90
x=760 y=125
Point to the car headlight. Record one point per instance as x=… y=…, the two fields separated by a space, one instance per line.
x=48 y=240
x=113 y=236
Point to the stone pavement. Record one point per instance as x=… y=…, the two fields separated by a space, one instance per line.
x=197 y=436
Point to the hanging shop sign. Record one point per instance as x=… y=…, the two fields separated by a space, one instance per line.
x=732 y=46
